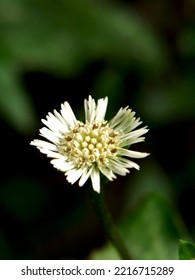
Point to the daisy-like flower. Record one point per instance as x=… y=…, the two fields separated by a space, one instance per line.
x=86 y=149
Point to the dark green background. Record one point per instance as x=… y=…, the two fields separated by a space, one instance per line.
x=138 y=53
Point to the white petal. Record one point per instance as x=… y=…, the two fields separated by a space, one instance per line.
x=135 y=134
x=133 y=137
x=51 y=125
x=136 y=123
x=107 y=172
x=60 y=125
x=90 y=109
x=101 y=109
x=132 y=141
x=128 y=163
x=133 y=154
x=68 y=115
x=125 y=122
x=48 y=134
x=84 y=177
x=62 y=165
x=50 y=153
x=43 y=144
x=60 y=118
x=119 y=168
x=73 y=175
x=119 y=117
x=124 y=163
x=95 y=179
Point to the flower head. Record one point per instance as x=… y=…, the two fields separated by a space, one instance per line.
x=86 y=149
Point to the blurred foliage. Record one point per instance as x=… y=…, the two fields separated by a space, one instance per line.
x=15 y=105
x=138 y=53
x=62 y=37
x=186 y=250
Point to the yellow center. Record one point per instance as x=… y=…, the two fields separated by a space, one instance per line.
x=90 y=143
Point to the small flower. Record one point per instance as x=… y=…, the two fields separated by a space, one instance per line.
x=86 y=149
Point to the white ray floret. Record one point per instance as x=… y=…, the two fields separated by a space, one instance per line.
x=84 y=150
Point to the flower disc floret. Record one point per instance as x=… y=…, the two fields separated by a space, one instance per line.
x=89 y=143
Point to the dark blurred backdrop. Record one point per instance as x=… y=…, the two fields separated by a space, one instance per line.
x=138 y=53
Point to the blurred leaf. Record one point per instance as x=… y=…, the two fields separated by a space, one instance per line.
x=186 y=41
x=108 y=252
x=167 y=103
x=151 y=205
x=23 y=198
x=186 y=250
x=150 y=231
x=66 y=35
x=150 y=225
x=151 y=179
x=110 y=83
x=15 y=104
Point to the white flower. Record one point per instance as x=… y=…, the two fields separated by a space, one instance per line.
x=86 y=149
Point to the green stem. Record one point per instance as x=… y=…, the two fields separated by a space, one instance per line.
x=106 y=221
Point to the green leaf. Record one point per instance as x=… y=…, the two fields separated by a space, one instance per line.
x=15 y=104
x=150 y=225
x=108 y=252
x=149 y=231
x=153 y=225
x=186 y=250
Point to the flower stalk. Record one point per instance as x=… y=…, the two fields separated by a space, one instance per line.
x=110 y=229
